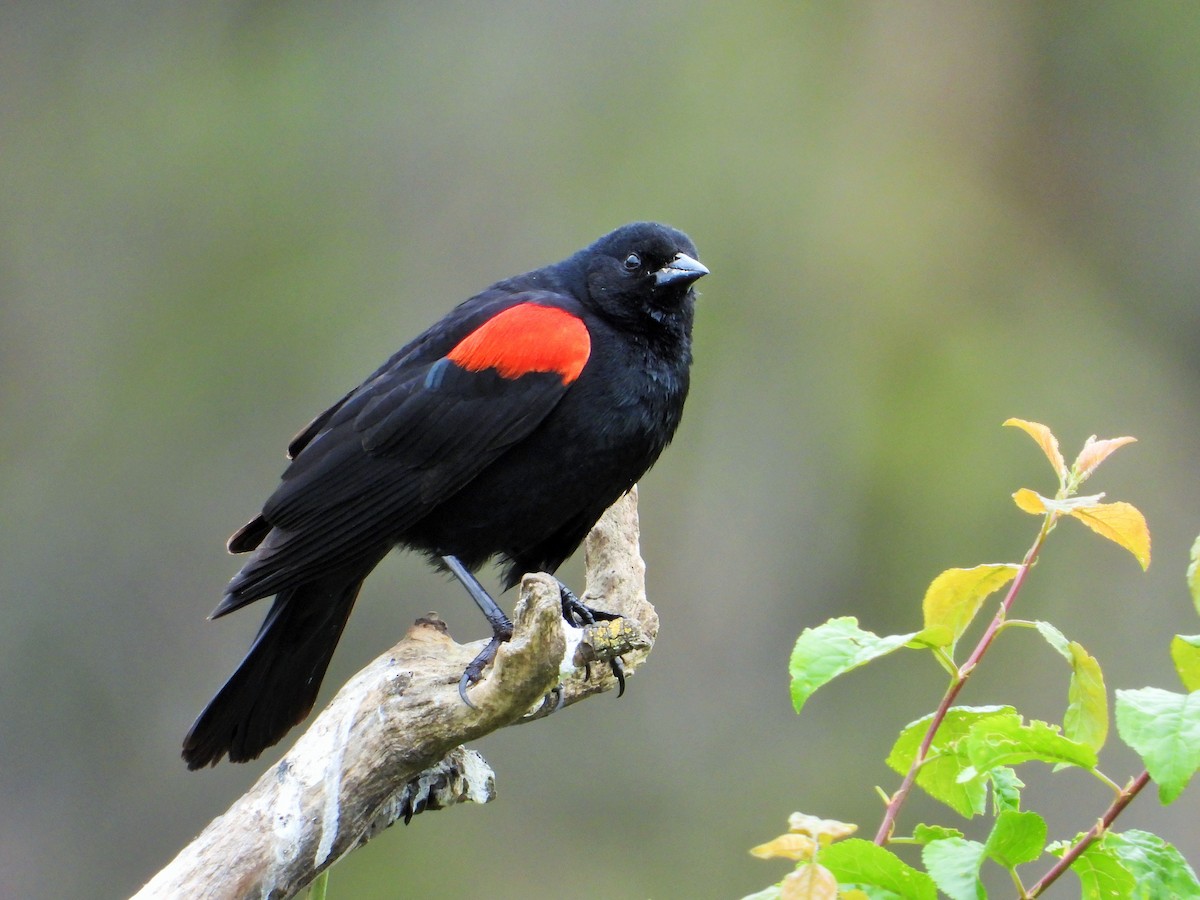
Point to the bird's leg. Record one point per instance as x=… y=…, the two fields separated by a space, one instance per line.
x=502 y=626
x=574 y=611
x=579 y=614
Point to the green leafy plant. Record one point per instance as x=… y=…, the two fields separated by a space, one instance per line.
x=964 y=755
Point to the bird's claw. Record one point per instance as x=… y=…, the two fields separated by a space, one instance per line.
x=577 y=613
x=463 y=683
x=474 y=670
x=618 y=670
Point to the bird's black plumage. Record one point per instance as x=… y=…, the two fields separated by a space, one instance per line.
x=504 y=431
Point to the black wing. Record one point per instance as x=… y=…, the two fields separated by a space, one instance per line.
x=390 y=451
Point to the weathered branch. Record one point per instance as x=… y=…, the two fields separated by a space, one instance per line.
x=387 y=746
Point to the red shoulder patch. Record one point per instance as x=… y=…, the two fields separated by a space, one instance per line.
x=527 y=338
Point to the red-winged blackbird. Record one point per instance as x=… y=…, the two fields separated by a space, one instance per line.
x=505 y=430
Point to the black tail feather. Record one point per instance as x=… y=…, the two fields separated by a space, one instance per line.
x=249 y=535
x=275 y=686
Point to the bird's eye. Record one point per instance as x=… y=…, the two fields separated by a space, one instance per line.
x=633 y=262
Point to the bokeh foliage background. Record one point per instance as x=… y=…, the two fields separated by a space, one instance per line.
x=921 y=218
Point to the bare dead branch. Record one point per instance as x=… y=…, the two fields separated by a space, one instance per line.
x=388 y=745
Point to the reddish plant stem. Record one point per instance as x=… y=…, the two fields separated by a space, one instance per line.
x=960 y=679
x=1073 y=853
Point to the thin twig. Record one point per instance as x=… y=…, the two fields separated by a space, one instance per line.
x=1076 y=850
x=957 y=682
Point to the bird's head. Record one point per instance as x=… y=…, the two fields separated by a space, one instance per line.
x=643 y=269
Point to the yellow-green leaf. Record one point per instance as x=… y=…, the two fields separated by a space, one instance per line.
x=1086 y=720
x=1030 y=501
x=1185 y=653
x=1095 y=452
x=1046 y=440
x=954 y=598
x=1055 y=639
x=787 y=846
x=824 y=830
x=1193 y=574
x=809 y=882
x=1121 y=523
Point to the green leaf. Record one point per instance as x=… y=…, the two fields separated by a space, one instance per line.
x=1193 y=574
x=1164 y=728
x=861 y=863
x=954 y=863
x=1134 y=864
x=954 y=598
x=925 y=834
x=1102 y=876
x=1159 y=869
x=832 y=649
x=1055 y=639
x=1086 y=719
x=940 y=776
x=1006 y=789
x=1004 y=741
x=1185 y=653
x=1017 y=838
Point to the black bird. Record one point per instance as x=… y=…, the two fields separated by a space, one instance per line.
x=505 y=430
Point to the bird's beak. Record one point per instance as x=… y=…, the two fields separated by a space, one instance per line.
x=681 y=270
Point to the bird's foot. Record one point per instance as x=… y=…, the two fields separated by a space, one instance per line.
x=502 y=626
x=474 y=670
x=578 y=614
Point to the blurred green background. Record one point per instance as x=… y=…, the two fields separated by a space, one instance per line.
x=921 y=218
